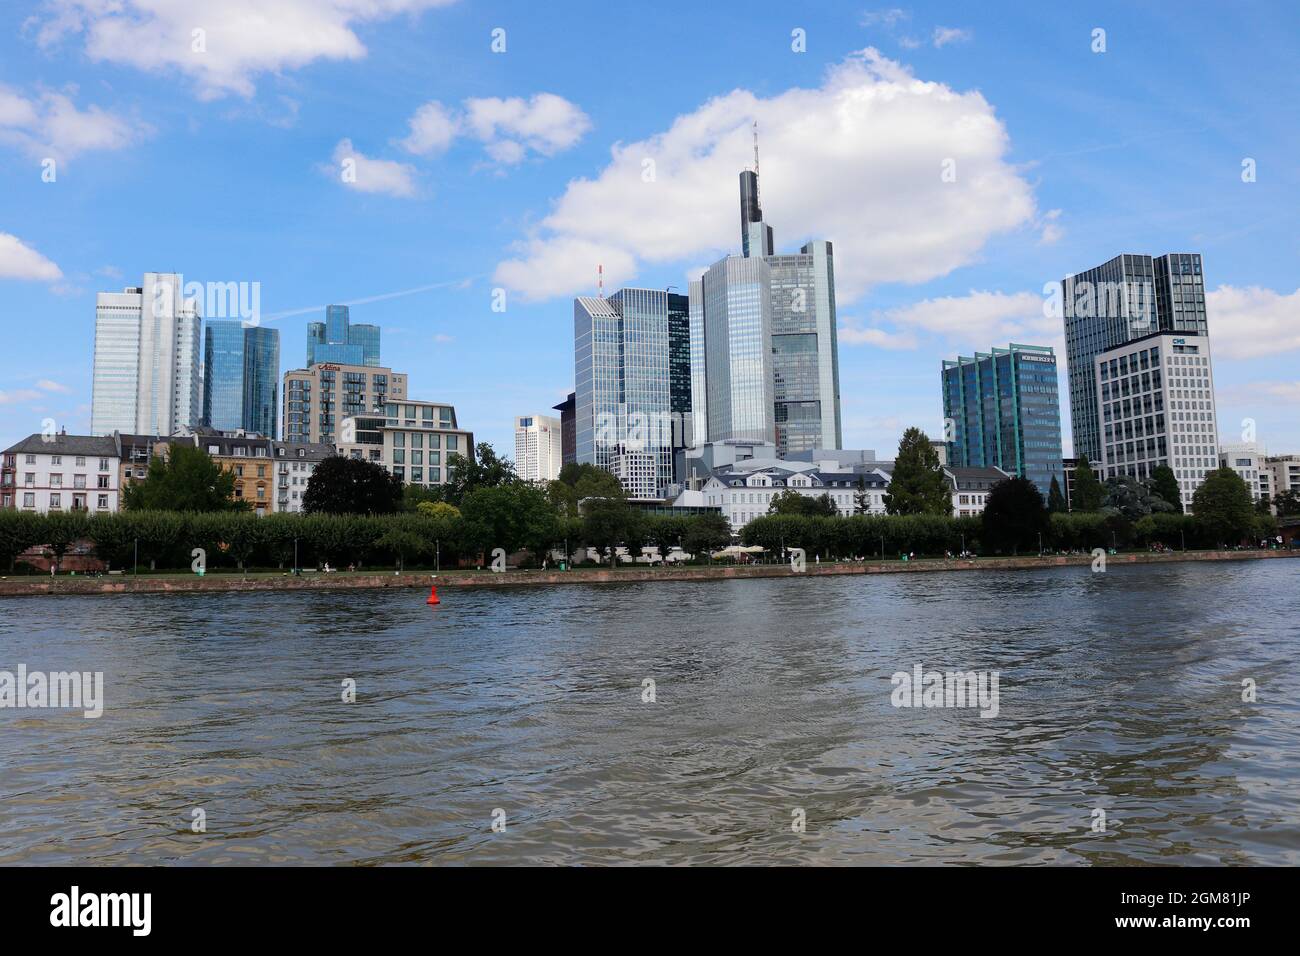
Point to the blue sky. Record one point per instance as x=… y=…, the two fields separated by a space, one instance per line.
x=478 y=170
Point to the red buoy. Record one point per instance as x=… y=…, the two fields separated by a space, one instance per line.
x=433 y=595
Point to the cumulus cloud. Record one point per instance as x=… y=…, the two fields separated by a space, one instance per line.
x=1249 y=322
x=19 y=261
x=358 y=171
x=979 y=319
x=239 y=39
x=857 y=160
x=50 y=124
x=508 y=128
x=852 y=333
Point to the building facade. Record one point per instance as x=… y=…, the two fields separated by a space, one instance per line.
x=622 y=395
x=416 y=441
x=318 y=399
x=339 y=342
x=1250 y=463
x=61 y=472
x=1155 y=398
x=147 y=352
x=1284 y=474
x=1003 y=412
x=539 y=451
x=568 y=430
x=1129 y=297
x=241 y=377
x=294 y=465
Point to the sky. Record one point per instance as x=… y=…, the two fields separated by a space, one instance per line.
x=456 y=170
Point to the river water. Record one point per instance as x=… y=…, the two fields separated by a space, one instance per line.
x=1119 y=692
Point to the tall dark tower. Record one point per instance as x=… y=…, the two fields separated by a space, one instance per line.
x=755 y=235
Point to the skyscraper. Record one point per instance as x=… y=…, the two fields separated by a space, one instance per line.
x=794 y=317
x=241 y=377
x=538 y=447
x=146 y=369
x=623 y=397
x=338 y=341
x=1125 y=298
x=1004 y=413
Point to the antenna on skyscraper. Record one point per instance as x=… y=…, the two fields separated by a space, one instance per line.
x=600 y=280
x=756 y=195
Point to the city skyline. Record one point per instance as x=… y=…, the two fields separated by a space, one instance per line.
x=500 y=199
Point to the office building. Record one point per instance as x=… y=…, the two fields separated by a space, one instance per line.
x=416 y=441
x=1129 y=297
x=319 y=398
x=1003 y=412
x=338 y=341
x=1156 y=407
x=539 y=448
x=61 y=472
x=1250 y=463
x=764 y=341
x=623 y=398
x=241 y=377
x=1284 y=474
x=568 y=430
x=147 y=354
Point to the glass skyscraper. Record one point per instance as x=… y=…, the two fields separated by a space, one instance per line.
x=1004 y=412
x=1128 y=297
x=782 y=306
x=623 y=392
x=337 y=341
x=241 y=377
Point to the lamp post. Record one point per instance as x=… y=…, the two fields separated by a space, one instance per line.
x=437 y=554
x=882 y=547
x=1182 y=536
x=136 y=569
x=1040 y=544
x=295 y=555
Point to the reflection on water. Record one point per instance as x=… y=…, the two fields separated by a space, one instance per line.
x=1119 y=691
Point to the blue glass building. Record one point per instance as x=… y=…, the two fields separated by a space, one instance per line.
x=339 y=342
x=241 y=377
x=261 y=380
x=1003 y=411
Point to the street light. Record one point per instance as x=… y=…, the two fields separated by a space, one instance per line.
x=437 y=554
x=1040 y=544
x=295 y=555
x=136 y=569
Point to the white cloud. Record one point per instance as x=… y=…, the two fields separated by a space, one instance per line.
x=1052 y=228
x=47 y=385
x=545 y=123
x=980 y=319
x=19 y=395
x=241 y=38
x=857 y=160
x=433 y=127
x=358 y=171
x=18 y=261
x=50 y=124
x=945 y=35
x=890 y=17
x=852 y=333
x=1249 y=322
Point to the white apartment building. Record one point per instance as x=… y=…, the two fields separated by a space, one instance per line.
x=1284 y=474
x=539 y=451
x=295 y=463
x=1155 y=403
x=1247 y=459
x=414 y=440
x=44 y=473
x=147 y=349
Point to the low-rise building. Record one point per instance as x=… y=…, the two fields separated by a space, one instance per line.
x=295 y=463
x=415 y=440
x=1284 y=474
x=1248 y=460
x=247 y=457
x=61 y=472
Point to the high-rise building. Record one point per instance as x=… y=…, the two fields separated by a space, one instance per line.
x=147 y=353
x=1003 y=412
x=539 y=449
x=1155 y=398
x=1126 y=298
x=317 y=400
x=568 y=430
x=241 y=377
x=338 y=341
x=770 y=316
x=623 y=398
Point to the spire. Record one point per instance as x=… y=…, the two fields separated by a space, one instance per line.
x=756 y=195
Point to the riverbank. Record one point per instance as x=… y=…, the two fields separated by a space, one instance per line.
x=282 y=581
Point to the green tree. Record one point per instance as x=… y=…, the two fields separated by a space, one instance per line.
x=514 y=517
x=186 y=479
x=1287 y=504
x=62 y=529
x=1165 y=484
x=1088 y=493
x=1222 y=506
x=482 y=469
x=1014 y=515
x=790 y=502
x=343 y=485
x=706 y=533
x=439 y=510
x=403 y=543
x=19 y=530
x=918 y=484
x=605 y=523
x=1056 y=500
x=580 y=481
x=1131 y=497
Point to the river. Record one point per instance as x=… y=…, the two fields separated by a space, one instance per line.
x=772 y=737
